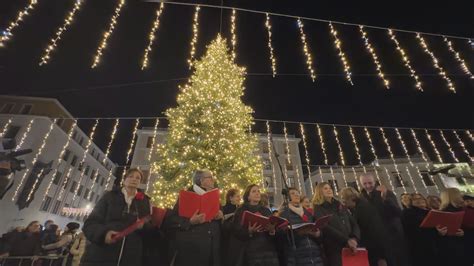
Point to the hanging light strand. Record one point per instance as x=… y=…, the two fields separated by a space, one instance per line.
x=54 y=41
x=25 y=134
x=130 y=149
x=7 y=33
x=288 y=155
x=270 y=46
x=150 y=153
x=392 y=157
x=458 y=58
x=407 y=154
x=233 y=30
x=435 y=60
x=306 y=155
x=195 y=36
x=468 y=133
x=307 y=53
x=356 y=148
x=60 y=157
x=151 y=35
x=270 y=154
x=108 y=33
x=35 y=158
x=342 y=56
x=326 y=161
x=341 y=154
x=375 y=58
x=449 y=146
x=372 y=148
x=433 y=145
x=106 y=155
x=406 y=60
x=461 y=143
x=5 y=127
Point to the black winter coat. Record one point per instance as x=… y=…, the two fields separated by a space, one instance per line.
x=23 y=244
x=258 y=249
x=341 y=227
x=307 y=248
x=452 y=248
x=111 y=213
x=421 y=241
x=197 y=245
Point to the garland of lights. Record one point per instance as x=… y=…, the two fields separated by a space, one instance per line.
x=461 y=144
x=306 y=155
x=375 y=58
x=53 y=42
x=155 y=129
x=61 y=154
x=288 y=155
x=422 y=152
x=270 y=46
x=7 y=33
x=130 y=149
x=372 y=148
x=392 y=157
x=151 y=35
x=5 y=127
x=458 y=58
x=309 y=60
x=356 y=148
x=341 y=154
x=233 y=30
x=270 y=152
x=323 y=148
x=342 y=55
x=195 y=37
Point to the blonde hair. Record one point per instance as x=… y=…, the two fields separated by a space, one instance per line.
x=448 y=196
x=349 y=193
x=318 y=197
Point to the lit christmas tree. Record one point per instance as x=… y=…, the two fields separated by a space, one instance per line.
x=209 y=130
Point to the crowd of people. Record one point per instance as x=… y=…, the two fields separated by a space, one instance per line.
x=371 y=218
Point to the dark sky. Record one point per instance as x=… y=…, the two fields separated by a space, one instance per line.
x=108 y=91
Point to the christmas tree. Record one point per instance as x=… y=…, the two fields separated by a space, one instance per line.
x=209 y=129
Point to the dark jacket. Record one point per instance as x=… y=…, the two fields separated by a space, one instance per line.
x=341 y=227
x=452 y=249
x=193 y=244
x=307 y=249
x=390 y=212
x=469 y=237
x=229 y=208
x=23 y=244
x=421 y=241
x=372 y=231
x=111 y=213
x=258 y=249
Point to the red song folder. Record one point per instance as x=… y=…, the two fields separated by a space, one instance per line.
x=132 y=228
x=207 y=203
x=254 y=218
x=451 y=220
x=319 y=224
x=359 y=258
x=157 y=216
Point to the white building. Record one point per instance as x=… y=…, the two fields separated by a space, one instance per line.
x=399 y=176
x=30 y=121
x=271 y=172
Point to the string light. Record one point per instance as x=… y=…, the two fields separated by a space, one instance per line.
x=35 y=158
x=435 y=60
x=306 y=155
x=195 y=36
x=309 y=60
x=86 y=150
x=38 y=154
x=53 y=42
x=233 y=30
x=151 y=35
x=372 y=148
x=106 y=155
x=356 y=147
x=288 y=155
x=468 y=133
x=84 y=156
x=342 y=56
x=270 y=152
x=375 y=58
x=61 y=154
x=108 y=33
x=420 y=150
x=5 y=127
x=405 y=150
x=461 y=143
x=392 y=157
x=270 y=47
x=130 y=149
x=341 y=154
x=155 y=130
x=7 y=33
x=449 y=146
x=406 y=60
x=323 y=148
x=458 y=58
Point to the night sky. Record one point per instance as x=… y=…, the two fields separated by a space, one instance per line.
x=119 y=88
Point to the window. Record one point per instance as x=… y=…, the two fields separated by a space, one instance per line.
x=26 y=109
x=60 y=122
x=92 y=196
x=93 y=152
x=427 y=179
x=267 y=164
x=269 y=181
x=46 y=203
x=97 y=179
x=66 y=155
x=7 y=108
x=291 y=181
x=87 y=193
x=93 y=174
x=88 y=168
x=80 y=167
x=265 y=148
x=73 y=187
x=11 y=133
x=57 y=177
x=149 y=142
x=56 y=206
x=461 y=181
x=79 y=192
x=81 y=141
x=399 y=182
x=102 y=181
x=289 y=166
x=74 y=135
x=74 y=160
